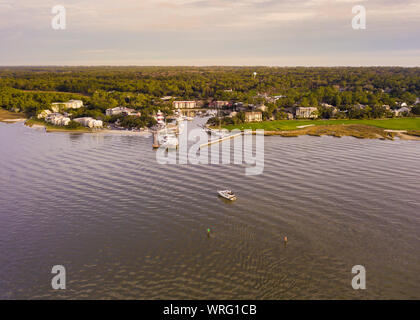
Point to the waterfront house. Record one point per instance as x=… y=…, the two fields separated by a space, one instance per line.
x=57 y=119
x=184 y=104
x=89 y=122
x=306 y=112
x=43 y=114
x=253 y=116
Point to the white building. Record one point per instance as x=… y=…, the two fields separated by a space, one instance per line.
x=306 y=112
x=254 y=116
x=57 y=119
x=122 y=110
x=184 y=104
x=43 y=114
x=71 y=104
x=89 y=122
x=401 y=111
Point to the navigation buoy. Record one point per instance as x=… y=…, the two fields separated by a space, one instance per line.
x=285 y=240
x=208 y=232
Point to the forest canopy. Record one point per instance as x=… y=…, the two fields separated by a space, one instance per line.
x=30 y=89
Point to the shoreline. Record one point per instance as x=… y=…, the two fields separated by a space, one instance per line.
x=360 y=131
x=13 y=120
x=295 y=134
x=347 y=130
x=7 y=116
x=35 y=124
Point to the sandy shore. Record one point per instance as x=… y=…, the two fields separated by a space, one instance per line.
x=403 y=136
x=13 y=120
x=124 y=132
x=87 y=130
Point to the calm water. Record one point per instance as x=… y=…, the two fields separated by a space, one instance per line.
x=127 y=227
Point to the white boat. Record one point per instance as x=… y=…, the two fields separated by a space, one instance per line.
x=170 y=142
x=227 y=194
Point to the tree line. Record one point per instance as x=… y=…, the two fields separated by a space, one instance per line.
x=30 y=89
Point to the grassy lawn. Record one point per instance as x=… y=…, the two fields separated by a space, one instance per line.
x=8 y=115
x=284 y=125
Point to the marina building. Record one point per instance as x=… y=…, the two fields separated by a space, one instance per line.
x=184 y=104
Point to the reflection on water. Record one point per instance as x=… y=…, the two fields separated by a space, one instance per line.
x=127 y=227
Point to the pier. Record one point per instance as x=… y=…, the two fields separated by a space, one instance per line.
x=220 y=140
x=168 y=129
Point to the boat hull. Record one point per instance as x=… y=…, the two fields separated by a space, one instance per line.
x=227 y=197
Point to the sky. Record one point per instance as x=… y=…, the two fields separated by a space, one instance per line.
x=210 y=32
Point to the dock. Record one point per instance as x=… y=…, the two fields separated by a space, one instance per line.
x=220 y=140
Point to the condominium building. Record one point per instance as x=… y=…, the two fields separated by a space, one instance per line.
x=306 y=112
x=184 y=104
x=89 y=122
x=254 y=116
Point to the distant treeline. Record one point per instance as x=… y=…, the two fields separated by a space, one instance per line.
x=142 y=87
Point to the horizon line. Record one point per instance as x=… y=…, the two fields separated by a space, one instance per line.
x=210 y=66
